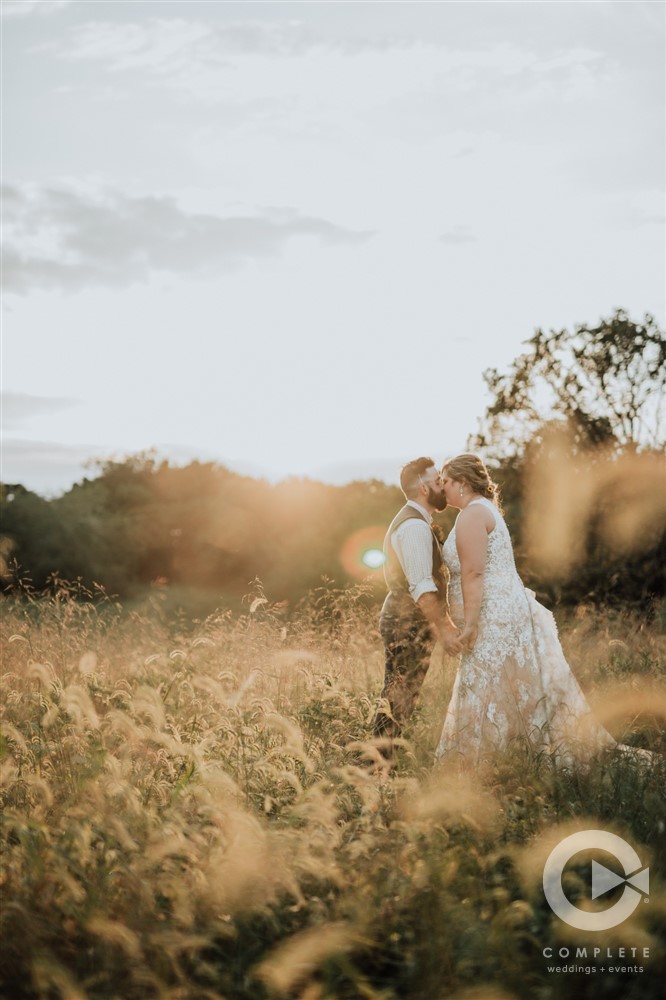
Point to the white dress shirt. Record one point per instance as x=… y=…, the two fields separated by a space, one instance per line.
x=412 y=543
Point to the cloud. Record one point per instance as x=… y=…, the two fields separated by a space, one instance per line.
x=172 y=48
x=457 y=235
x=21 y=8
x=159 y=45
x=405 y=76
x=308 y=72
x=167 y=45
x=63 y=239
x=218 y=32
x=19 y=407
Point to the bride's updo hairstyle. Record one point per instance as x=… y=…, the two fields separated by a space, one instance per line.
x=470 y=471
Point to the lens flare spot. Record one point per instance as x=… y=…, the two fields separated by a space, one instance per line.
x=361 y=555
x=373 y=558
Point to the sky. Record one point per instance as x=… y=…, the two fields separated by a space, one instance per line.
x=290 y=237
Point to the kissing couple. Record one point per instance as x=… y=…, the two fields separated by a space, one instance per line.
x=513 y=683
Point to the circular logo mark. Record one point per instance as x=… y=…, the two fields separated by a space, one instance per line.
x=603 y=880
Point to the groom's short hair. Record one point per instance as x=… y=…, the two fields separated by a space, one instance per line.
x=411 y=475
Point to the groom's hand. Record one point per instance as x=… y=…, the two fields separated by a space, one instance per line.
x=450 y=639
x=440 y=623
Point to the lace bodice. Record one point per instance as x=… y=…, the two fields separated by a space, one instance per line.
x=504 y=620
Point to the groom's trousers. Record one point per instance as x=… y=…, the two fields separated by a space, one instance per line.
x=408 y=645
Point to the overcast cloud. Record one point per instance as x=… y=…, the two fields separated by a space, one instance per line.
x=60 y=239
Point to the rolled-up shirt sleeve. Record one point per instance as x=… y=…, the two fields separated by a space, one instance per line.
x=412 y=543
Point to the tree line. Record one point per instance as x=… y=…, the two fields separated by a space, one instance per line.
x=579 y=407
x=145 y=523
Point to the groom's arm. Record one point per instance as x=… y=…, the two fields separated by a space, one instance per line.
x=412 y=543
x=414 y=550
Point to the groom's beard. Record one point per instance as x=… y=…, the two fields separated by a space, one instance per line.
x=436 y=500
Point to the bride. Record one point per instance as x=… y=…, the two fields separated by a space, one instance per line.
x=513 y=681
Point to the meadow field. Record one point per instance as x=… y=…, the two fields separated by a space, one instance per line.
x=195 y=810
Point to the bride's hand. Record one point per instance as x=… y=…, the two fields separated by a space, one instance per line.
x=468 y=637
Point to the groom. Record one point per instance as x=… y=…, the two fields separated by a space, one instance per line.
x=415 y=613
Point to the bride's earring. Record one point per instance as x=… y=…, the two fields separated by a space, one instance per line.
x=461 y=491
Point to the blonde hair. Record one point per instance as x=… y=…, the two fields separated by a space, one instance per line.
x=471 y=471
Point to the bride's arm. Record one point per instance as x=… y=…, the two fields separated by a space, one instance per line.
x=472 y=545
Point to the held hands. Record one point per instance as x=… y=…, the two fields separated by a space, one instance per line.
x=449 y=637
x=468 y=637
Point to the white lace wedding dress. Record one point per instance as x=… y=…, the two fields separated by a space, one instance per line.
x=516 y=683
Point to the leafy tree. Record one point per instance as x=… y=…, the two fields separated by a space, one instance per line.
x=31 y=534
x=575 y=430
x=604 y=382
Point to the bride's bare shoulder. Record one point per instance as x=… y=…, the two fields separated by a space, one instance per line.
x=474 y=515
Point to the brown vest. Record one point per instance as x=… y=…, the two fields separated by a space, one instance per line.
x=399 y=599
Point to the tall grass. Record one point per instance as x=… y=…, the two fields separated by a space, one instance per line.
x=190 y=810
